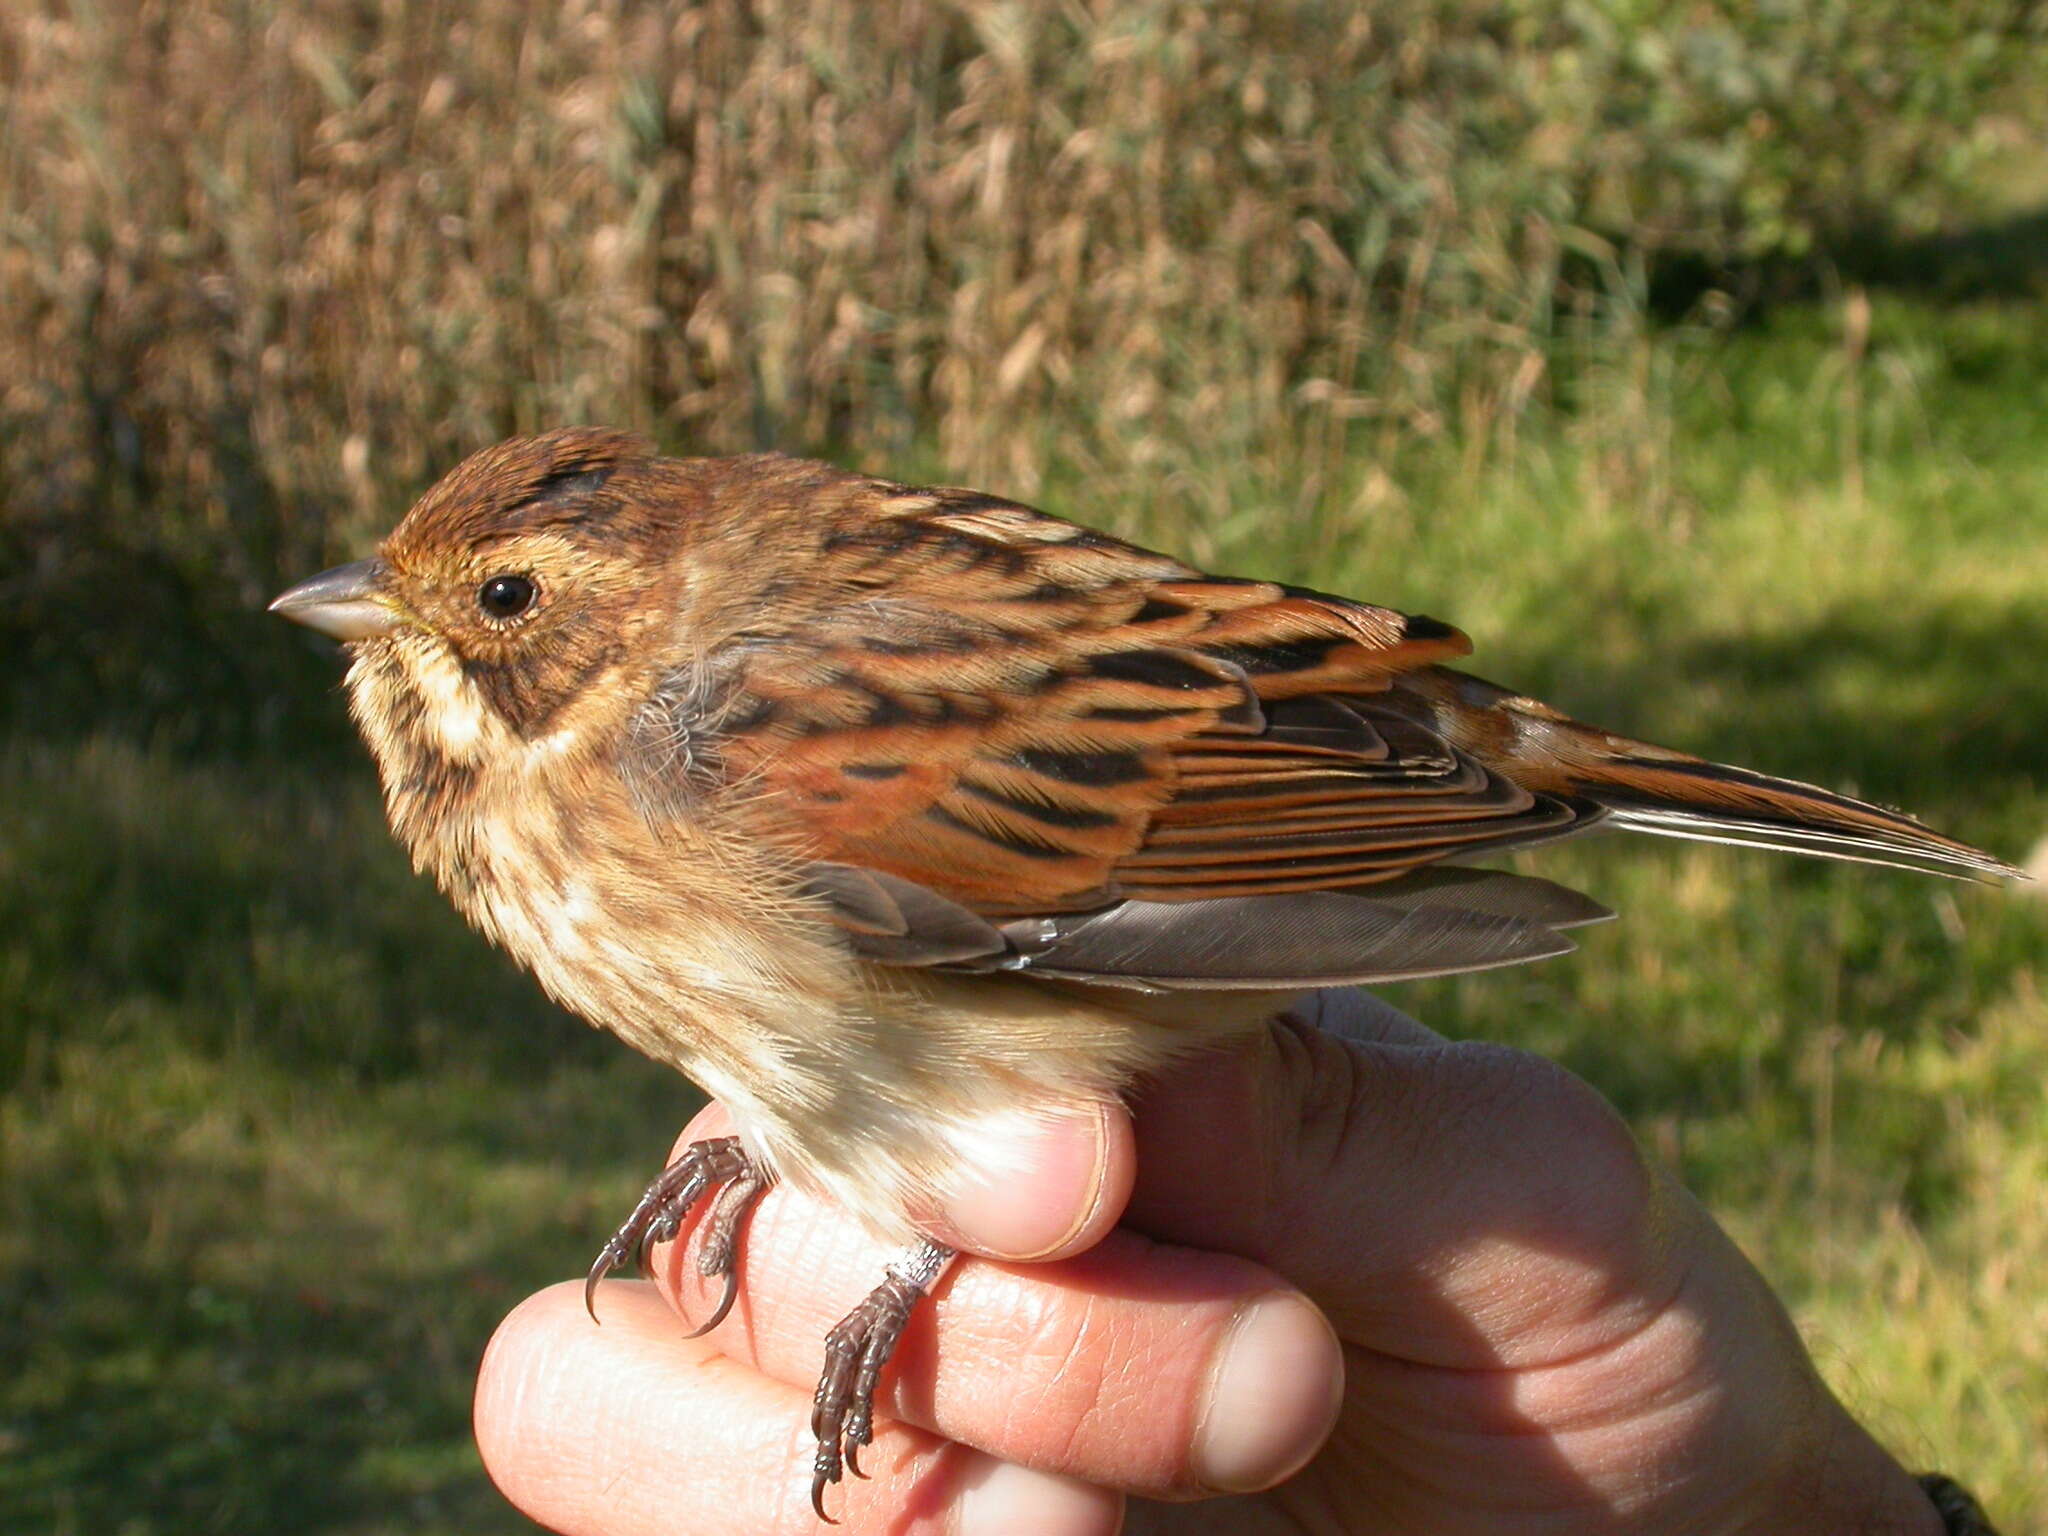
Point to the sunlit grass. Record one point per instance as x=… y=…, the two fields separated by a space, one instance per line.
x=285 y=1142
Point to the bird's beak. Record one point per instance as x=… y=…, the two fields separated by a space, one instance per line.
x=346 y=602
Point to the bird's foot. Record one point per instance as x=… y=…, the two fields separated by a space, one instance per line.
x=703 y=1166
x=843 y=1411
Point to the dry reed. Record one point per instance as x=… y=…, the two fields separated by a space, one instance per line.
x=269 y=269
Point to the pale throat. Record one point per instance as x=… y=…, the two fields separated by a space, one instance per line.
x=466 y=729
x=461 y=725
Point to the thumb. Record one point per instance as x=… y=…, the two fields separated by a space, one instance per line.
x=1042 y=1186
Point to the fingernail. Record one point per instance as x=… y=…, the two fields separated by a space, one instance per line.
x=1008 y=1500
x=1036 y=1200
x=1273 y=1395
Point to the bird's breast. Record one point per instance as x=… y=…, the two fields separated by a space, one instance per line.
x=877 y=1089
x=653 y=933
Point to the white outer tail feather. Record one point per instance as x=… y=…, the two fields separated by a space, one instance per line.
x=1872 y=848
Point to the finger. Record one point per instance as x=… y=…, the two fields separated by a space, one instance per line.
x=1055 y=1189
x=1136 y=1364
x=632 y=1428
x=1455 y=1204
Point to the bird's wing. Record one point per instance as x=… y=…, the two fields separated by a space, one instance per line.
x=1431 y=922
x=995 y=717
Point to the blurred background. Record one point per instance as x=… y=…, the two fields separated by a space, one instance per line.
x=1691 y=354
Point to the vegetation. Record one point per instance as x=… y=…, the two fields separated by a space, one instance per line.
x=1691 y=361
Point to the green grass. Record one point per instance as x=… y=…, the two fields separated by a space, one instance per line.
x=281 y=1140
x=286 y=1141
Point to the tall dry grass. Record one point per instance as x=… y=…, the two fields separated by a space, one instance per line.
x=268 y=269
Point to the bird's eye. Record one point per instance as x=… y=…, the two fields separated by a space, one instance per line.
x=505 y=597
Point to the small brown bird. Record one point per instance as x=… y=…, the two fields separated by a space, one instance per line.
x=897 y=816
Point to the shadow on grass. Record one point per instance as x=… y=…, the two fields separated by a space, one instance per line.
x=133 y=638
x=2001 y=258
x=197 y=1343
x=169 y=1406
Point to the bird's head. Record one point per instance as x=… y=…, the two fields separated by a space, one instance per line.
x=520 y=606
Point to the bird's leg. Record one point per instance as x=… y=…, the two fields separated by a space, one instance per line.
x=670 y=1198
x=843 y=1411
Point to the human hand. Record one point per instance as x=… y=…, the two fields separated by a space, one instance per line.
x=1518 y=1325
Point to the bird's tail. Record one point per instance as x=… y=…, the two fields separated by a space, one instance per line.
x=1648 y=788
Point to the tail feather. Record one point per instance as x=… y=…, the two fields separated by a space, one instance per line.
x=1648 y=788
x=1689 y=801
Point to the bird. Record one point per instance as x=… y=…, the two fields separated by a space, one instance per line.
x=898 y=816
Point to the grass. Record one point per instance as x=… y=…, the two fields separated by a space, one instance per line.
x=270 y=268
x=286 y=1140
x=282 y=1140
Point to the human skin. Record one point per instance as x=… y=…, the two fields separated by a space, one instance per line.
x=1398 y=1284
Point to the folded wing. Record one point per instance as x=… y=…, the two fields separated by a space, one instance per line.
x=1003 y=741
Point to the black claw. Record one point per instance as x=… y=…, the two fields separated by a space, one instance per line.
x=609 y=1258
x=842 y=1412
x=725 y=1301
x=660 y=1212
x=818 y=1482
